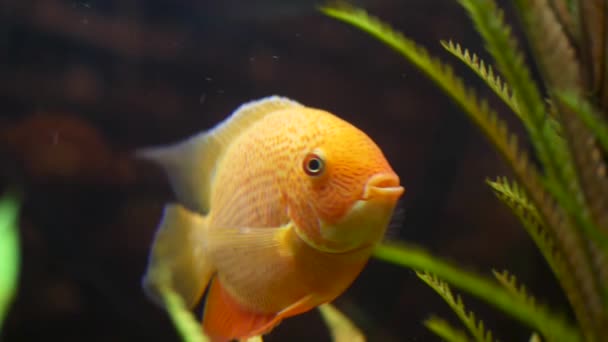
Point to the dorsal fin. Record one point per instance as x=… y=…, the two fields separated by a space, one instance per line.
x=190 y=164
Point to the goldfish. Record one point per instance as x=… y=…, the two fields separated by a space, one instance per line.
x=278 y=209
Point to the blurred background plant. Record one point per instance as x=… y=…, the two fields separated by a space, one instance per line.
x=560 y=193
x=10 y=257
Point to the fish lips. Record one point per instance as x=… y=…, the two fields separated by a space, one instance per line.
x=366 y=221
x=383 y=187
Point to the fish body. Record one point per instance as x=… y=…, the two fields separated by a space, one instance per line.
x=280 y=208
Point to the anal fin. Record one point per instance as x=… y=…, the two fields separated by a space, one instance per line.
x=301 y=306
x=225 y=319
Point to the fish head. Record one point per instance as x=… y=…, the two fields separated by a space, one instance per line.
x=348 y=187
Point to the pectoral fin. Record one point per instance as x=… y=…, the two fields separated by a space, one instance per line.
x=177 y=258
x=244 y=255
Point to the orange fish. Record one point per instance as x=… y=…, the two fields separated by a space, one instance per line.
x=280 y=208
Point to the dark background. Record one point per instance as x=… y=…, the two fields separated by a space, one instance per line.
x=83 y=83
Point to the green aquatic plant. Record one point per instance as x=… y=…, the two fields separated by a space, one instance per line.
x=551 y=325
x=561 y=201
x=475 y=327
x=9 y=253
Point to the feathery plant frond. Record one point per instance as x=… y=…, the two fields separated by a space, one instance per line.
x=560 y=68
x=564 y=208
x=445 y=331
x=592 y=167
x=538 y=318
x=591 y=171
x=9 y=252
x=485 y=72
x=509 y=282
x=560 y=178
x=594 y=206
x=475 y=326
x=552 y=151
x=554 y=53
x=516 y=199
x=592 y=29
x=489 y=21
x=562 y=231
x=565 y=14
x=587 y=114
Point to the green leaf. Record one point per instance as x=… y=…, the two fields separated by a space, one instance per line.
x=592 y=21
x=582 y=298
x=553 y=51
x=517 y=200
x=186 y=324
x=539 y=319
x=475 y=327
x=535 y=338
x=341 y=328
x=509 y=282
x=485 y=72
x=444 y=330
x=549 y=145
x=565 y=13
x=559 y=66
x=560 y=180
x=590 y=166
x=560 y=177
x=9 y=252
x=587 y=114
x=556 y=195
x=189 y=329
x=586 y=129
x=184 y=321
x=577 y=115
x=489 y=21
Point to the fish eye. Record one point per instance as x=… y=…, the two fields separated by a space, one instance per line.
x=313 y=164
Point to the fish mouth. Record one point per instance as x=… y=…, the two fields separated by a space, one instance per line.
x=383 y=186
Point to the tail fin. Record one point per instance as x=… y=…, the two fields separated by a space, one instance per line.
x=177 y=258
